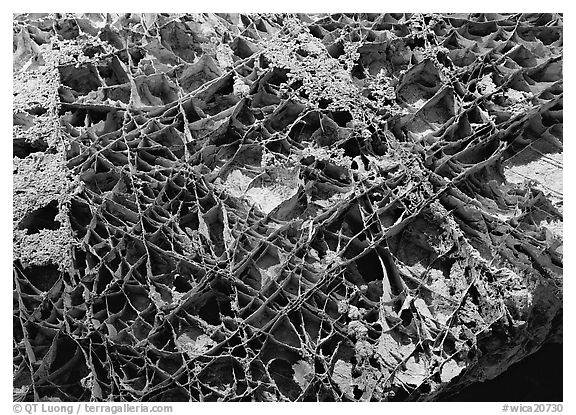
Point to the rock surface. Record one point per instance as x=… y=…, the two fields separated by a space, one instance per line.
x=283 y=207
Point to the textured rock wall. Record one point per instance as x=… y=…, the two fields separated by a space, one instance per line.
x=283 y=207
